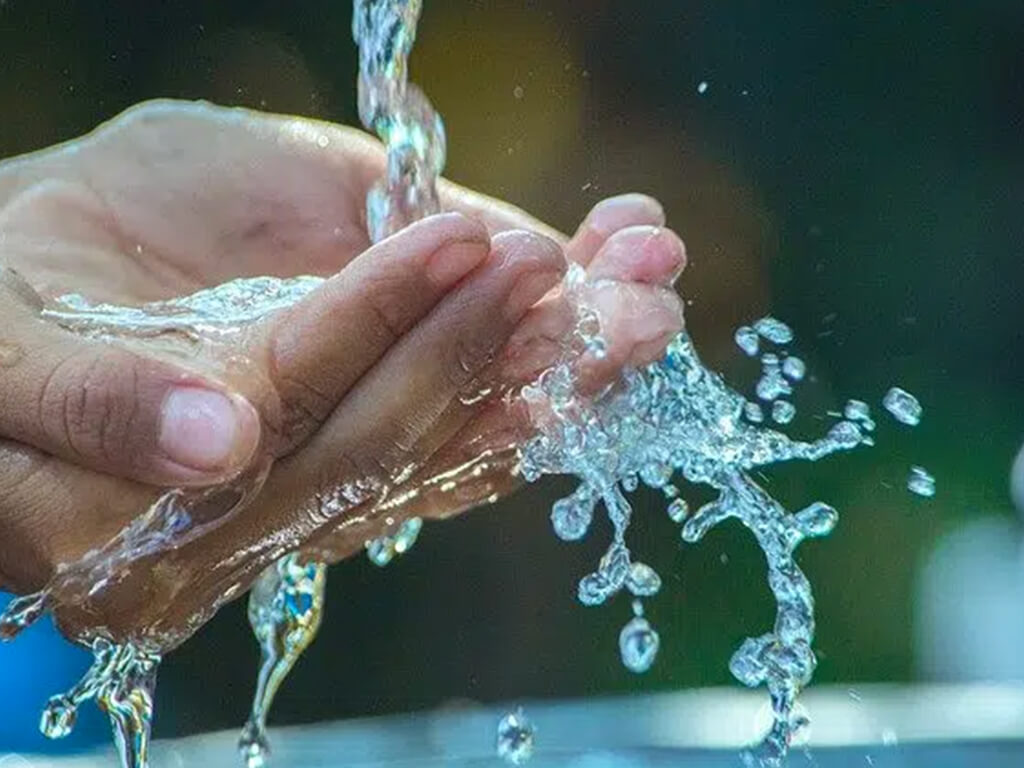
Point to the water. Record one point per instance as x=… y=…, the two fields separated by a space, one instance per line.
x=793 y=368
x=747 y=339
x=383 y=549
x=638 y=640
x=121 y=679
x=676 y=418
x=921 y=482
x=515 y=738
x=783 y=411
x=285 y=609
x=903 y=406
x=670 y=421
x=774 y=330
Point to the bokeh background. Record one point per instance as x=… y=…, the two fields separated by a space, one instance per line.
x=857 y=168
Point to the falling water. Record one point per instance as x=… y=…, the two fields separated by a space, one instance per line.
x=280 y=610
x=285 y=608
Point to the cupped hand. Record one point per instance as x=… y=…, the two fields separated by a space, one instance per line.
x=358 y=392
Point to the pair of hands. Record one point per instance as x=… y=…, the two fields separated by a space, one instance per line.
x=363 y=394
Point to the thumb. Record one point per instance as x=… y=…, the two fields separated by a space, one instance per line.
x=112 y=409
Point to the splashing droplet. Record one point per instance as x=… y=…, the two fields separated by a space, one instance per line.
x=643 y=581
x=794 y=368
x=921 y=482
x=515 y=738
x=775 y=331
x=903 y=406
x=783 y=411
x=678 y=510
x=638 y=645
x=747 y=340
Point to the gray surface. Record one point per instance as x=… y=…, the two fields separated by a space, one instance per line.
x=893 y=727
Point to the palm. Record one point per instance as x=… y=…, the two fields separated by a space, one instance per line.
x=171 y=200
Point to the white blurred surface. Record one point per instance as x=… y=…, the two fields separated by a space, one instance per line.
x=927 y=726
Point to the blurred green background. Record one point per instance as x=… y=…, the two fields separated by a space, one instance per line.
x=857 y=168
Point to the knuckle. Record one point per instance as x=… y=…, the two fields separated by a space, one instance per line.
x=465 y=359
x=304 y=407
x=387 y=305
x=88 y=403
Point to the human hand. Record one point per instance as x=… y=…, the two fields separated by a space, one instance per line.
x=171 y=198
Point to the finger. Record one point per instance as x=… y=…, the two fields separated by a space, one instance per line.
x=636 y=254
x=320 y=347
x=637 y=323
x=640 y=254
x=608 y=217
x=422 y=377
x=111 y=409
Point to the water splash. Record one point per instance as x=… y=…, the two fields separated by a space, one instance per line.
x=285 y=609
x=515 y=738
x=903 y=406
x=672 y=418
x=677 y=417
x=921 y=482
x=383 y=549
x=121 y=679
x=638 y=640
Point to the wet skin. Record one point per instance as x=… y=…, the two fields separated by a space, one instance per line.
x=392 y=381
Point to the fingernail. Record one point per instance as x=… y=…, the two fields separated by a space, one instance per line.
x=640 y=254
x=613 y=214
x=206 y=430
x=453 y=261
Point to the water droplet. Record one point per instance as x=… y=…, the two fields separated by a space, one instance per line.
x=783 y=411
x=638 y=645
x=407 y=534
x=793 y=368
x=753 y=413
x=517 y=92
x=772 y=385
x=774 y=330
x=515 y=738
x=381 y=551
x=58 y=718
x=921 y=482
x=747 y=340
x=678 y=510
x=817 y=519
x=571 y=516
x=889 y=738
x=702 y=87
x=597 y=347
x=643 y=581
x=903 y=406
x=253 y=746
